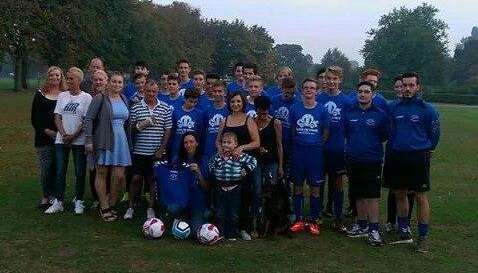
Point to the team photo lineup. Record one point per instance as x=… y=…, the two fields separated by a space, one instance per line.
x=217 y=160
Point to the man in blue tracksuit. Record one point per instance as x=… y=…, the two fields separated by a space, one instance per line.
x=415 y=131
x=365 y=130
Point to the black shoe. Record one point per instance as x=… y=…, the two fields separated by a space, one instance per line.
x=43 y=206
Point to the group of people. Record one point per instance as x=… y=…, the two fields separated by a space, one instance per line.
x=203 y=150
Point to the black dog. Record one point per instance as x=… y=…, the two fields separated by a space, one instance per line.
x=274 y=219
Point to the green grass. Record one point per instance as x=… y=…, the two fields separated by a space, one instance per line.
x=8 y=84
x=33 y=242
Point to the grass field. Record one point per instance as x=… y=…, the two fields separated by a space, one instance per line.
x=33 y=242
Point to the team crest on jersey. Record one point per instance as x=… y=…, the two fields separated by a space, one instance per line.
x=252 y=113
x=214 y=122
x=173 y=175
x=370 y=122
x=282 y=113
x=334 y=110
x=415 y=118
x=307 y=121
x=185 y=123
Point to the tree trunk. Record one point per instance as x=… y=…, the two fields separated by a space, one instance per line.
x=24 y=74
x=18 y=70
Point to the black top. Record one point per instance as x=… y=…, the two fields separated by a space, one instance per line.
x=42 y=117
x=242 y=132
x=268 y=142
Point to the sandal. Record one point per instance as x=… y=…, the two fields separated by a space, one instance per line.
x=107 y=215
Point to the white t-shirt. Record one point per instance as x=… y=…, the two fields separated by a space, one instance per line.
x=72 y=110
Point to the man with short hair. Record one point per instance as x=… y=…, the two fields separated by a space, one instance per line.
x=184 y=68
x=320 y=77
x=139 y=68
x=239 y=82
x=174 y=99
x=415 y=131
x=310 y=125
x=187 y=118
x=152 y=121
x=139 y=84
x=95 y=64
x=336 y=103
x=213 y=117
x=366 y=128
x=372 y=76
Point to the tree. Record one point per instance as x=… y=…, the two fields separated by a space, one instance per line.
x=465 y=62
x=409 y=40
x=336 y=57
x=19 y=18
x=291 y=55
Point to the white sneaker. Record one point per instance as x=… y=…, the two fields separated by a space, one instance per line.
x=129 y=214
x=245 y=236
x=57 y=206
x=79 y=207
x=150 y=213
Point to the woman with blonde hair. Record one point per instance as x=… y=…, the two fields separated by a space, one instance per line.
x=107 y=133
x=43 y=122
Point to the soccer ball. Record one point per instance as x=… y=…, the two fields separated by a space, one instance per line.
x=153 y=228
x=181 y=230
x=208 y=234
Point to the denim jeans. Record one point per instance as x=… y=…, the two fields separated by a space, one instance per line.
x=79 y=160
x=198 y=218
x=47 y=166
x=228 y=205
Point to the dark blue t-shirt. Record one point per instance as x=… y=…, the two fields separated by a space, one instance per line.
x=173 y=184
x=174 y=103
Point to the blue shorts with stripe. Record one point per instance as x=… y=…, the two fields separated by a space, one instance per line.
x=308 y=164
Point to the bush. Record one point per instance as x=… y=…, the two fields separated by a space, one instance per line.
x=441 y=97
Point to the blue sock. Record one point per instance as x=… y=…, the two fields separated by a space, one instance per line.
x=402 y=223
x=422 y=230
x=338 y=204
x=298 y=206
x=362 y=224
x=373 y=226
x=314 y=208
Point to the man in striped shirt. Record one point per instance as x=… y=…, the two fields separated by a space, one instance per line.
x=228 y=173
x=151 y=122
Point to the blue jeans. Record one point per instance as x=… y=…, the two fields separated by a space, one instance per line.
x=228 y=205
x=198 y=218
x=79 y=160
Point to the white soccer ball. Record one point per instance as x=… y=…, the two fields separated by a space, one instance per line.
x=153 y=228
x=181 y=230
x=208 y=234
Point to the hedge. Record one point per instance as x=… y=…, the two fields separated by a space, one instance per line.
x=441 y=97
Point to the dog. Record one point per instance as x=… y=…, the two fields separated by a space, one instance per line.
x=274 y=218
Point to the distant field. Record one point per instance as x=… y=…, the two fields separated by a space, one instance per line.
x=33 y=242
x=7 y=84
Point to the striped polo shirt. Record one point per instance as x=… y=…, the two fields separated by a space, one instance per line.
x=148 y=140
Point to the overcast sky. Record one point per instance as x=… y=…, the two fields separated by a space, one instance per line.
x=318 y=25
